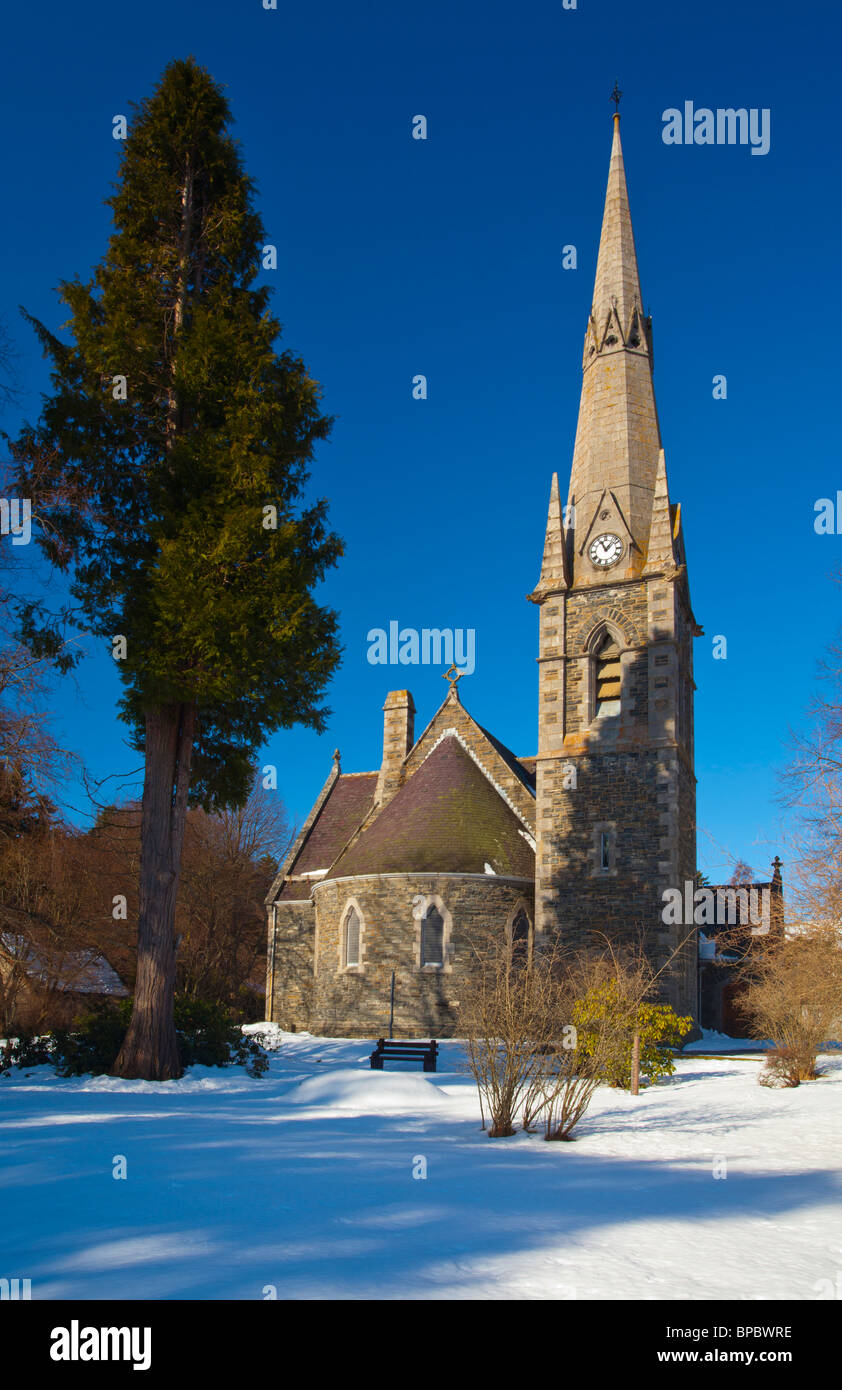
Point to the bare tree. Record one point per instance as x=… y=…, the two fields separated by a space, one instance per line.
x=811 y=790
x=793 y=995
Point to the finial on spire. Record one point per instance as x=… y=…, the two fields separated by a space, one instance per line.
x=615 y=97
x=336 y=758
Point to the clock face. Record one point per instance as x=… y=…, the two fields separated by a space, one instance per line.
x=605 y=551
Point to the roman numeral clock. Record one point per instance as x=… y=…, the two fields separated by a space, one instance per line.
x=605 y=550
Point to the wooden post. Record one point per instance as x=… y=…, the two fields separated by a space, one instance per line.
x=635 y=1067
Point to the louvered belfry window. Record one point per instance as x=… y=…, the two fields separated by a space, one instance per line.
x=432 y=938
x=608 y=677
x=352 y=938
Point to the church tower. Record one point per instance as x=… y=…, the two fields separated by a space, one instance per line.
x=616 y=789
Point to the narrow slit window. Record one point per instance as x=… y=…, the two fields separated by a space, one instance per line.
x=608 y=678
x=605 y=850
x=520 y=939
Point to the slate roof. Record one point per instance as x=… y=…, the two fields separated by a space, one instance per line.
x=447 y=818
x=343 y=811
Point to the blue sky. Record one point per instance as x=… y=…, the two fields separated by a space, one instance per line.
x=444 y=257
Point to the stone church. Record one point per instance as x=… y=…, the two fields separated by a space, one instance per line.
x=395 y=869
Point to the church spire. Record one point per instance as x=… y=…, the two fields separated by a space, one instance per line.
x=618 y=442
x=617 y=283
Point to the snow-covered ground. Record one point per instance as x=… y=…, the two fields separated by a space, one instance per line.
x=302 y=1183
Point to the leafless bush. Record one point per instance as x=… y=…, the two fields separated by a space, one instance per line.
x=522 y=1046
x=504 y=1019
x=793 y=995
x=568 y=1075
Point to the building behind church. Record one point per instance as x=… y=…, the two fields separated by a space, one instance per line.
x=397 y=870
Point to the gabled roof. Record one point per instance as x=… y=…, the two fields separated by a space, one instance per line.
x=523 y=768
x=448 y=817
x=507 y=773
x=343 y=804
x=476 y=770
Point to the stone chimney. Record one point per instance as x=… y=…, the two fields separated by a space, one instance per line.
x=398 y=738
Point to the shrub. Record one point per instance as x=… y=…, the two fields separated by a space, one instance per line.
x=206 y=1032
x=658 y=1025
x=503 y=1020
x=521 y=1046
x=208 y=1036
x=787 y=1066
x=26 y=1051
x=793 y=995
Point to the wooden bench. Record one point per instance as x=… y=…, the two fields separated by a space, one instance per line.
x=399 y=1051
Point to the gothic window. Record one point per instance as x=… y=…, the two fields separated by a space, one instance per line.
x=351 y=938
x=432 y=937
x=520 y=938
x=608 y=677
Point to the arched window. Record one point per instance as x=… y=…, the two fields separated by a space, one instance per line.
x=351 y=938
x=608 y=675
x=520 y=938
x=432 y=937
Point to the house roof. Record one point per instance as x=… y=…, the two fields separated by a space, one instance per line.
x=446 y=818
x=72 y=972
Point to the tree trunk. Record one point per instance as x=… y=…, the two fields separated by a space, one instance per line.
x=635 y=1066
x=150 y=1050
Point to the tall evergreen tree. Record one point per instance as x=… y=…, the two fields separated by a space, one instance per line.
x=177 y=510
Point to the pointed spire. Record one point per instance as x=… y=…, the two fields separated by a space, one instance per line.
x=554 y=568
x=617 y=283
x=660 y=552
x=618 y=441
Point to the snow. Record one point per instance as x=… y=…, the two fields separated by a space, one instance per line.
x=302 y=1182
x=368 y=1093
x=79 y=972
x=711 y=1041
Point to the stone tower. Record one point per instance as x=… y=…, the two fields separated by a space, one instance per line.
x=616 y=790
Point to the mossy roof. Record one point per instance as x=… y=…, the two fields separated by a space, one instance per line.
x=448 y=818
x=349 y=800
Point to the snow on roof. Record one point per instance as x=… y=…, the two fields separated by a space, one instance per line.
x=77 y=972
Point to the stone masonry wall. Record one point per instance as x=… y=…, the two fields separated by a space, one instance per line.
x=633 y=775
x=354 y=1001
x=289 y=967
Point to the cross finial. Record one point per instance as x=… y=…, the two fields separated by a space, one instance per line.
x=454 y=680
x=615 y=97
